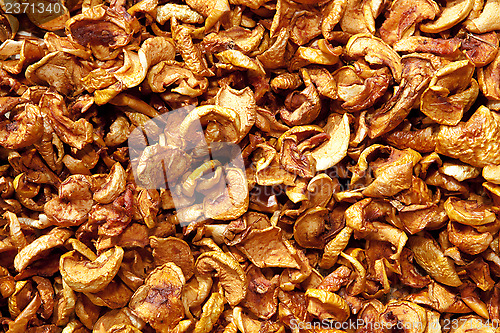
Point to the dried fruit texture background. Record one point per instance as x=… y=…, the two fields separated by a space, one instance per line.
x=370 y=138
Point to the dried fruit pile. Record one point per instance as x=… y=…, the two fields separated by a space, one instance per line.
x=251 y=166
